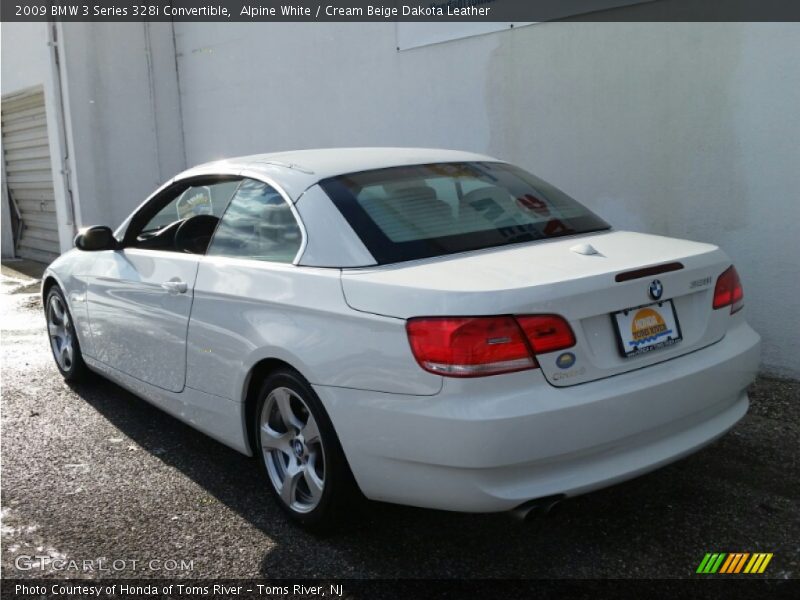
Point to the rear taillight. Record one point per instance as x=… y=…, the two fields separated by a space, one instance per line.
x=729 y=291
x=478 y=346
x=469 y=347
x=547 y=333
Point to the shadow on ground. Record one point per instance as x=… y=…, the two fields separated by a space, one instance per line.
x=92 y=471
x=724 y=497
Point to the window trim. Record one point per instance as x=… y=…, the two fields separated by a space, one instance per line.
x=163 y=196
x=123 y=231
x=257 y=176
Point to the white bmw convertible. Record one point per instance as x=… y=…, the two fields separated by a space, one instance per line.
x=428 y=327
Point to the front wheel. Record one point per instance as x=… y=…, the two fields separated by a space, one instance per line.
x=63 y=340
x=300 y=453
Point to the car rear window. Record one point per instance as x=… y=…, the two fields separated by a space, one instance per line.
x=419 y=211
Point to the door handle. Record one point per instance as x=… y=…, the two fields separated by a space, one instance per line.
x=175 y=287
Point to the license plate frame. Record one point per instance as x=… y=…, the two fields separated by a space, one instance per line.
x=663 y=328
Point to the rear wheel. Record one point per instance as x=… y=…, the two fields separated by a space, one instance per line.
x=300 y=453
x=63 y=341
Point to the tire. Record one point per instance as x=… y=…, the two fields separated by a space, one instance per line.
x=296 y=443
x=63 y=340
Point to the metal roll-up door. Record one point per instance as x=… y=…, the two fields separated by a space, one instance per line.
x=29 y=175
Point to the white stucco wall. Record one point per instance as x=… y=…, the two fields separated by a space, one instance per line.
x=20 y=41
x=120 y=88
x=688 y=130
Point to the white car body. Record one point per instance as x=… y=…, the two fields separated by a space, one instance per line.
x=411 y=436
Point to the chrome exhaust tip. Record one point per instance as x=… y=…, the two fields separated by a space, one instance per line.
x=540 y=507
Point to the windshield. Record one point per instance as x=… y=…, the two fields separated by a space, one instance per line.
x=419 y=211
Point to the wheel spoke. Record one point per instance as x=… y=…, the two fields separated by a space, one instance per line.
x=284 y=402
x=66 y=355
x=289 y=487
x=310 y=431
x=57 y=310
x=274 y=440
x=59 y=354
x=314 y=483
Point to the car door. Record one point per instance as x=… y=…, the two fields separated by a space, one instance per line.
x=139 y=297
x=246 y=288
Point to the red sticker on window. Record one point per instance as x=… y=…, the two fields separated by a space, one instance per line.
x=532 y=203
x=555 y=227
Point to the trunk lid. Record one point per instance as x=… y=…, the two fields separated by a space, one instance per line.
x=552 y=276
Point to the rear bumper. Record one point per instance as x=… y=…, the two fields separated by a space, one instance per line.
x=490 y=444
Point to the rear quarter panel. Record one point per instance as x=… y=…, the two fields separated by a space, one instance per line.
x=245 y=311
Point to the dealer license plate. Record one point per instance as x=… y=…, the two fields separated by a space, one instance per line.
x=647 y=328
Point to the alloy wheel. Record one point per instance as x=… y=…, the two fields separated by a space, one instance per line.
x=60 y=331
x=292 y=449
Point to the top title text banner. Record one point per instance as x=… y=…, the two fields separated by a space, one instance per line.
x=486 y=11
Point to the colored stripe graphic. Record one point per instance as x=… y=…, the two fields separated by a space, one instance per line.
x=752 y=563
x=727 y=564
x=758 y=563
x=764 y=564
x=741 y=562
x=711 y=563
x=703 y=563
x=734 y=562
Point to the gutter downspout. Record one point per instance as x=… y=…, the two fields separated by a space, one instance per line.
x=53 y=43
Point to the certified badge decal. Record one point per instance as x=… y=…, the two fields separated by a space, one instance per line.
x=565 y=360
x=647 y=326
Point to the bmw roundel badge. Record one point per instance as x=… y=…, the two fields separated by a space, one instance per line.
x=656 y=289
x=297 y=446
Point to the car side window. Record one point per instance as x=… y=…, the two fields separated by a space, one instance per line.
x=198 y=207
x=195 y=200
x=258 y=224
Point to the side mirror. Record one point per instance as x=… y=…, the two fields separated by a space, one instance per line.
x=94 y=238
